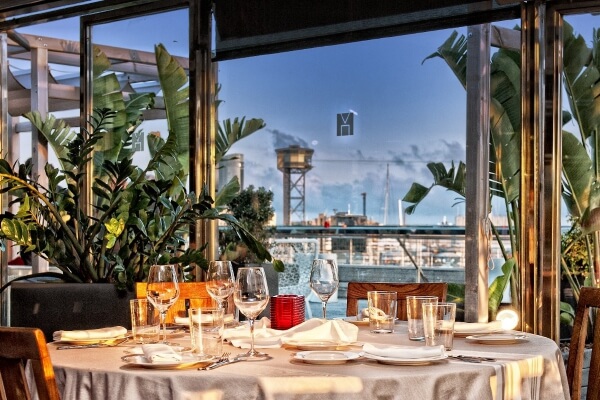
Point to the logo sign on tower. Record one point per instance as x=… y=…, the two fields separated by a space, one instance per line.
x=345 y=124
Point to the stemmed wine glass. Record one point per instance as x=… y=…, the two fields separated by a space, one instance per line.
x=163 y=291
x=251 y=296
x=220 y=281
x=324 y=280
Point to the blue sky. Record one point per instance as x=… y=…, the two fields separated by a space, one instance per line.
x=408 y=113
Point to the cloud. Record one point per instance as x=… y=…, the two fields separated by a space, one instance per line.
x=283 y=140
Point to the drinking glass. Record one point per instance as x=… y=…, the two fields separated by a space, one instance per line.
x=220 y=281
x=251 y=296
x=163 y=292
x=324 y=280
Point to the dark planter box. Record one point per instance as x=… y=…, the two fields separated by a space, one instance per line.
x=68 y=306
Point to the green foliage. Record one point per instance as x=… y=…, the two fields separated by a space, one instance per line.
x=253 y=209
x=140 y=216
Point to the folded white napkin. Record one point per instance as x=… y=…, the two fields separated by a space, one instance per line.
x=160 y=353
x=464 y=327
x=382 y=350
x=186 y=320
x=314 y=329
x=102 y=333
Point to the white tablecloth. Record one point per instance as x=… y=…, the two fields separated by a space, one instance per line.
x=530 y=370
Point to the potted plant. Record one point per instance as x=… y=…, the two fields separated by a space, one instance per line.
x=140 y=215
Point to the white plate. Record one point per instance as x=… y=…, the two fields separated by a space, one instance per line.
x=137 y=350
x=356 y=321
x=326 y=357
x=187 y=361
x=464 y=334
x=500 y=338
x=405 y=361
x=317 y=345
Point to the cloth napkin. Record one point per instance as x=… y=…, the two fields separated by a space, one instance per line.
x=484 y=327
x=313 y=329
x=403 y=351
x=160 y=353
x=102 y=333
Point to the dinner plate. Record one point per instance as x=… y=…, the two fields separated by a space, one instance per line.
x=501 y=338
x=187 y=361
x=326 y=357
x=405 y=361
x=312 y=345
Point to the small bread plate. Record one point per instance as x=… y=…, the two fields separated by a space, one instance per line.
x=500 y=338
x=405 y=361
x=326 y=357
x=356 y=320
x=464 y=334
x=187 y=361
x=314 y=345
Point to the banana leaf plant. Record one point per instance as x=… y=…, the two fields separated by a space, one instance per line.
x=580 y=172
x=504 y=170
x=581 y=169
x=136 y=220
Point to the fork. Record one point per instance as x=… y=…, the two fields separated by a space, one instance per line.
x=224 y=358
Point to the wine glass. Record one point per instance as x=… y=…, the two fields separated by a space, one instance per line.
x=163 y=291
x=324 y=280
x=251 y=296
x=220 y=281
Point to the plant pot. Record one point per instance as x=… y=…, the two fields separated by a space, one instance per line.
x=68 y=306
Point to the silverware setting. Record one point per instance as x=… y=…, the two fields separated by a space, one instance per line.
x=472 y=359
x=106 y=343
x=223 y=360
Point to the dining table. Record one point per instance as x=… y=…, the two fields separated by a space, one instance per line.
x=530 y=367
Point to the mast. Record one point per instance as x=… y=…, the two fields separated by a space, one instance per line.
x=386 y=199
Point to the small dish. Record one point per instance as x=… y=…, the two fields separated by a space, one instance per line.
x=326 y=357
x=356 y=321
x=501 y=338
x=405 y=361
x=313 y=345
x=464 y=334
x=187 y=361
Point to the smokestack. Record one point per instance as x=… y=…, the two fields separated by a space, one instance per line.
x=364 y=196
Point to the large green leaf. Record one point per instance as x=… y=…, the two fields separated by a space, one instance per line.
x=174 y=84
x=230 y=132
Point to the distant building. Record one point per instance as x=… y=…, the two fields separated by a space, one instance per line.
x=230 y=166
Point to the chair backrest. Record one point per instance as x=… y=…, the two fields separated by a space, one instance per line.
x=589 y=299
x=21 y=345
x=191 y=295
x=358 y=291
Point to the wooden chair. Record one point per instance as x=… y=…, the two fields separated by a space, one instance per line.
x=358 y=291
x=588 y=298
x=21 y=345
x=191 y=295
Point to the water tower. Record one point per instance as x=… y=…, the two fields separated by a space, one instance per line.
x=294 y=162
